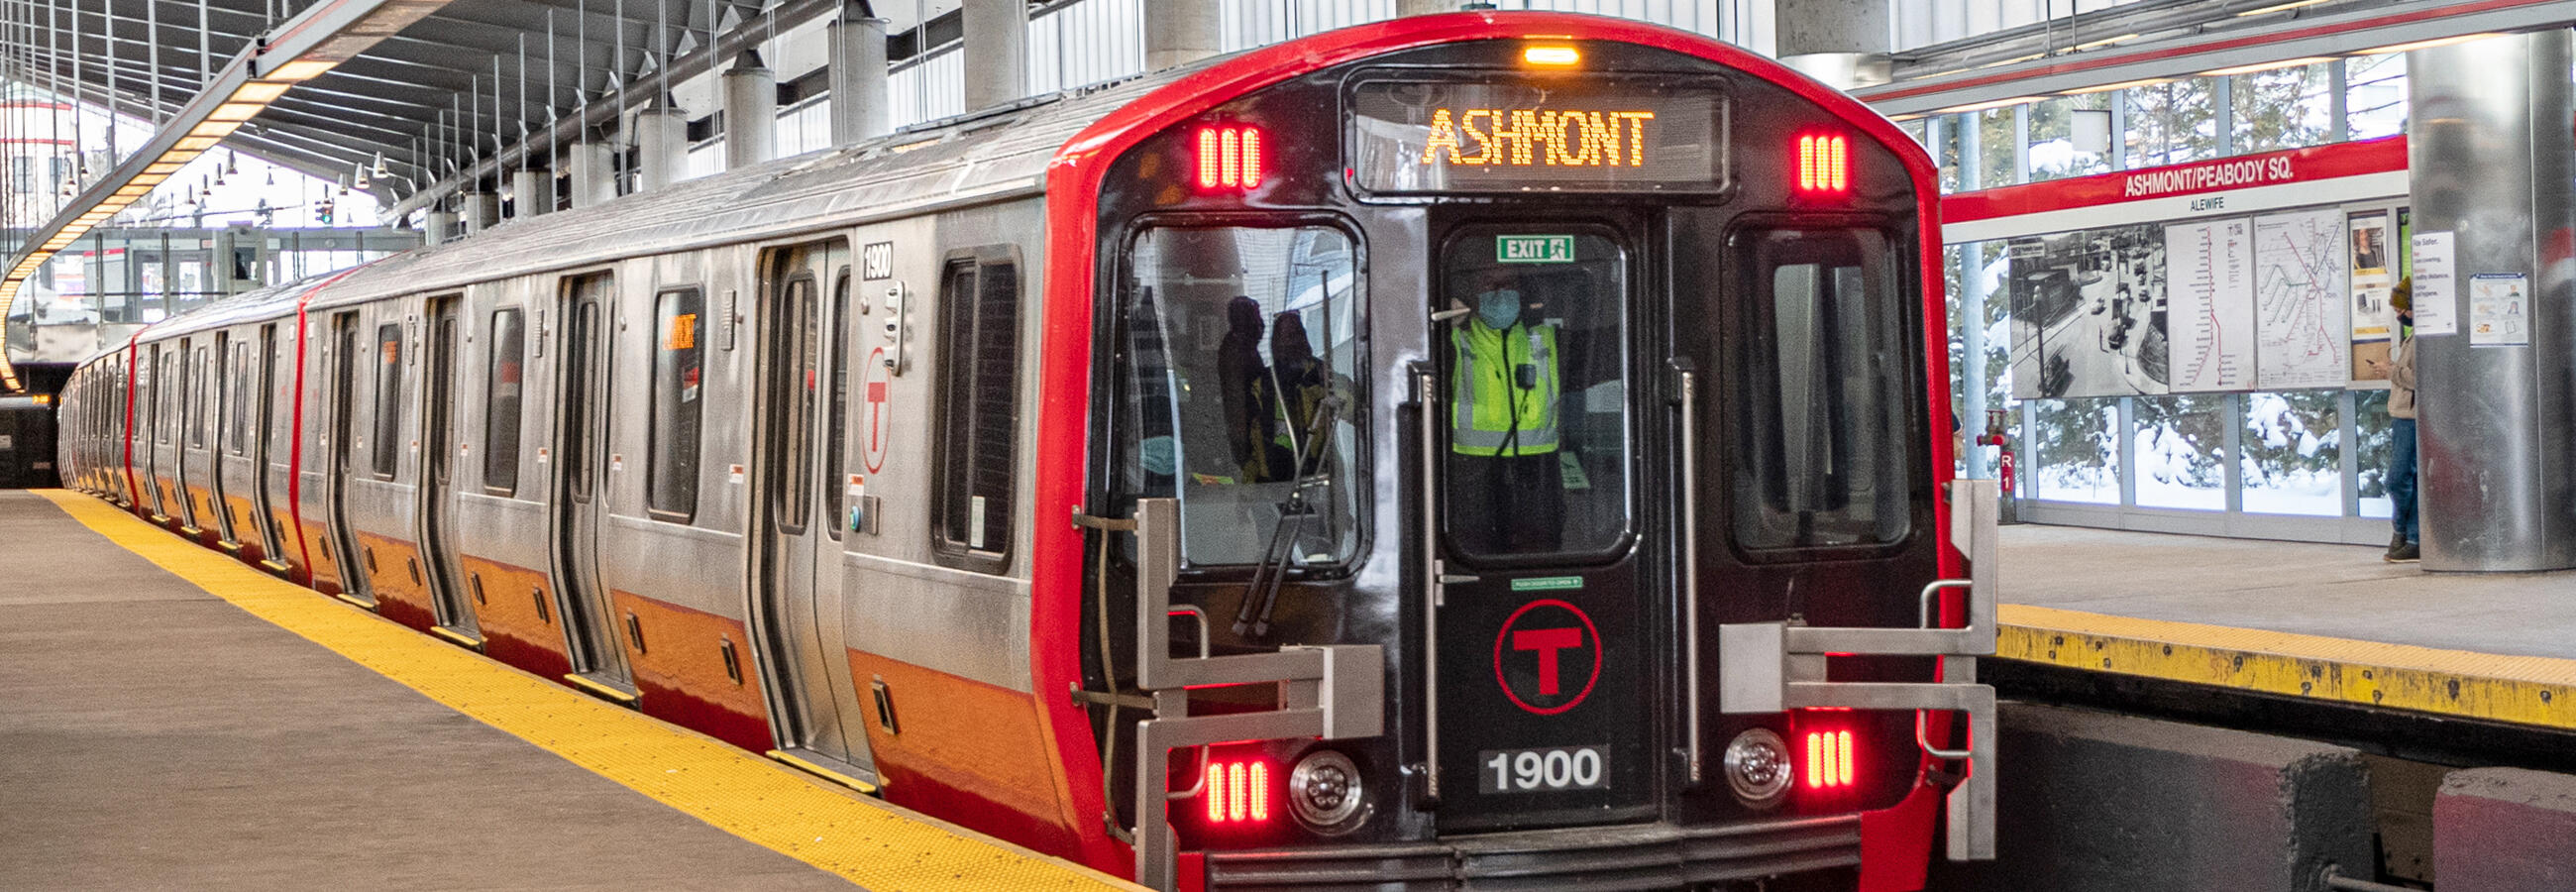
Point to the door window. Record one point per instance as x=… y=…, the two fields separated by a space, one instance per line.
x=388 y=398
x=1822 y=462
x=671 y=472
x=505 y=382
x=1534 y=413
x=1241 y=387
x=791 y=444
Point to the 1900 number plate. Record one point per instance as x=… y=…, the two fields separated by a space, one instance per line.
x=1543 y=770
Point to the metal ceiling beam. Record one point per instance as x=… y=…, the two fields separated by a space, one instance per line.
x=642 y=87
x=323 y=35
x=2216 y=45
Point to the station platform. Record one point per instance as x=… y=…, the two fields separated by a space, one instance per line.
x=2310 y=622
x=174 y=719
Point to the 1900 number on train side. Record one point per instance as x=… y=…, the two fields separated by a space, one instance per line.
x=1555 y=768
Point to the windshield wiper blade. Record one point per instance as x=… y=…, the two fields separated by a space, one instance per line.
x=1261 y=597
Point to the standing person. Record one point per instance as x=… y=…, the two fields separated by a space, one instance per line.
x=1250 y=397
x=2404 y=544
x=1506 y=477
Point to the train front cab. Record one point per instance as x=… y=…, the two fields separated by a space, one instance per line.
x=1321 y=310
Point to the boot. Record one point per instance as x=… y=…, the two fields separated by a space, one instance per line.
x=2405 y=553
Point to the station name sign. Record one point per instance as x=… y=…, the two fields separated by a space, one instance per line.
x=1514 y=133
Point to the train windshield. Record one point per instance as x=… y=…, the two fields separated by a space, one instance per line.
x=1242 y=353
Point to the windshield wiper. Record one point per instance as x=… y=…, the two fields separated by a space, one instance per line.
x=1261 y=597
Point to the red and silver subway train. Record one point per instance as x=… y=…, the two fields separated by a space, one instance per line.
x=1481 y=450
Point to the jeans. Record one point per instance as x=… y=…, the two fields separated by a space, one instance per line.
x=2401 y=479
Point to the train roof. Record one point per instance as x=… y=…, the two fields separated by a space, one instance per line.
x=969 y=159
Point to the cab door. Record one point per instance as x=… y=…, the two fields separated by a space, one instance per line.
x=1547 y=603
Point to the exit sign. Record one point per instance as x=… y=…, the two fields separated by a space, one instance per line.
x=1534 y=249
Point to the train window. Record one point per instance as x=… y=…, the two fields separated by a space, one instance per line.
x=671 y=471
x=1825 y=422
x=197 y=411
x=978 y=385
x=503 y=383
x=388 y=398
x=1239 y=385
x=1535 y=410
x=159 y=390
x=794 y=384
x=236 y=436
x=836 y=410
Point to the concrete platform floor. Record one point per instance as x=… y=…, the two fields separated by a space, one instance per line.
x=2339 y=591
x=153 y=736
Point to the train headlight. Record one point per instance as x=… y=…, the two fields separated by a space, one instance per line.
x=1326 y=792
x=1757 y=766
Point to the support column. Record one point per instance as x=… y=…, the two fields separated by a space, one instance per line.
x=437 y=226
x=532 y=193
x=1424 y=7
x=1844 y=43
x=997 y=52
x=661 y=146
x=2489 y=161
x=858 y=63
x=1178 y=32
x=481 y=210
x=594 y=172
x=751 y=112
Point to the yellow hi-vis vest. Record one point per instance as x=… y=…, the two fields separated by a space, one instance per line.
x=1486 y=401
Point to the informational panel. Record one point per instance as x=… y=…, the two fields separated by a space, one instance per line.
x=2088 y=312
x=2499 y=310
x=2210 y=294
x=2434 y=294
x=2301 y=313
x=2374 y=260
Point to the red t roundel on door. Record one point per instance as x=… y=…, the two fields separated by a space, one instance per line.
x=1547 y=656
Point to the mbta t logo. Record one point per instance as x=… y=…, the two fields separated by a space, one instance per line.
x=1547 y=656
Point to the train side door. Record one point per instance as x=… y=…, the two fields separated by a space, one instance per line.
x=155 y=432
x=269 y=486
x=797 y=587
x=1546 y=612
x=581 y=440
x=438 y=483
x=222 y=431
x=342 y=384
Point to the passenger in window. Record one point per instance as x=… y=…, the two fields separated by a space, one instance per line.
x=1303 y=381
x=1250 y=397
x=1506 y=483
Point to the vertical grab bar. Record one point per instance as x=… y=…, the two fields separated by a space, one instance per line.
x=1687 y=391
x=1427 y=395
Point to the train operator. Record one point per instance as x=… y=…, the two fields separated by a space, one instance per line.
x=1506 y=479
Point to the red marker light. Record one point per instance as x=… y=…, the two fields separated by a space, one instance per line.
x=1824 y=164
x=1237 y=792
x=1229 y=157
x=1829 y=759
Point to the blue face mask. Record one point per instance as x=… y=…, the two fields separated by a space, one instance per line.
x=1499 y=309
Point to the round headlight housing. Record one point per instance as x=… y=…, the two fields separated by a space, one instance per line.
x=1757 y=767
x=1327 y=794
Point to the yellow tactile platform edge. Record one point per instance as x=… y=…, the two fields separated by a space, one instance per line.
x=2538 y=691
x=876 y=845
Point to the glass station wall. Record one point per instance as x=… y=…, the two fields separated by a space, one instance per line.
x=2291 y=464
